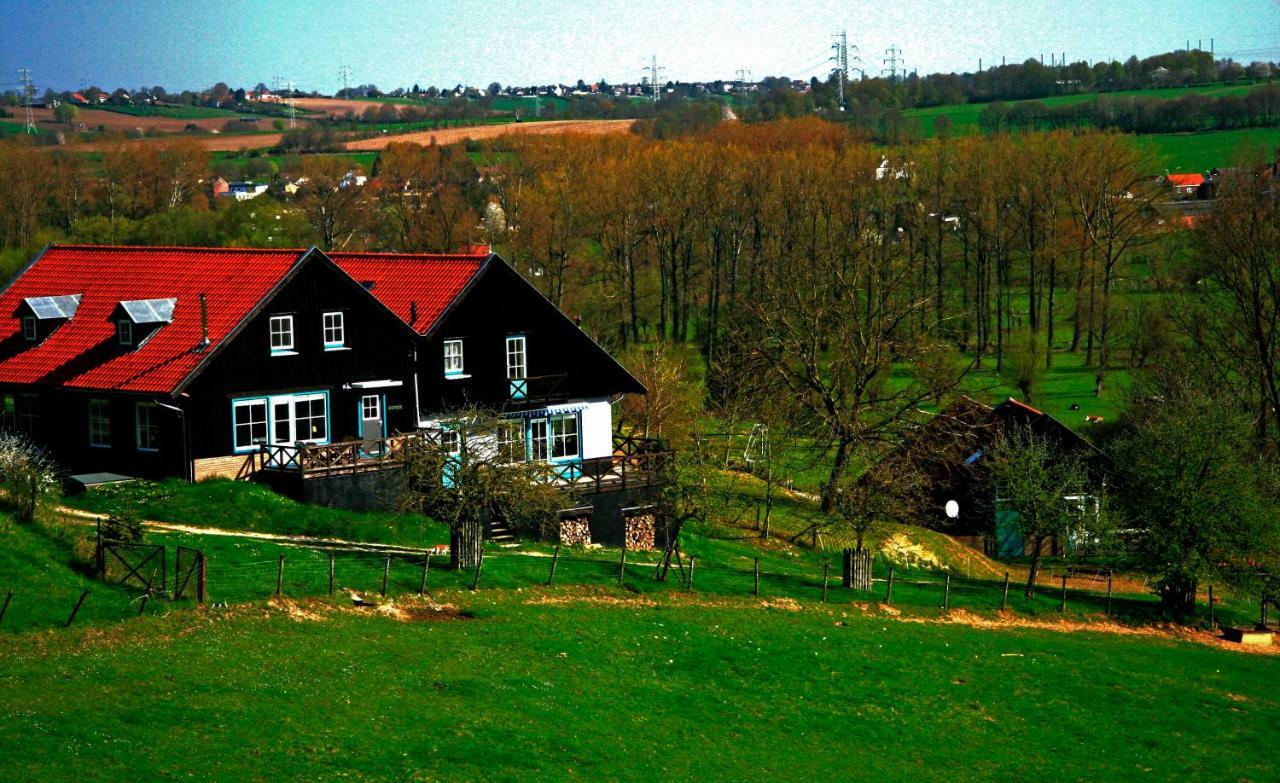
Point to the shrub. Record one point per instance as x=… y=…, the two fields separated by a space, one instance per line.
x=26 y=473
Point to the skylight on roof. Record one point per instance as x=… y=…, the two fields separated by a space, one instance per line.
x=45 y=307
x=150 y=311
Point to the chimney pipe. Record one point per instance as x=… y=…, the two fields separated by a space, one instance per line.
x=204 y=322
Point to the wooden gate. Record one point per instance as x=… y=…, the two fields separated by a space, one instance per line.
x=139 y=565
x=188 y=573
x=857 y=569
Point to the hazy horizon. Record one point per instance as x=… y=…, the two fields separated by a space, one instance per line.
x=396 y=43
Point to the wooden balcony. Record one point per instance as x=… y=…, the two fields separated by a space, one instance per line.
x=538 y=390
x=636 y=462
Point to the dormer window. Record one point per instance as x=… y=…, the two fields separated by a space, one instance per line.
x=138 y=319
x=281 y=327
x=43 y=314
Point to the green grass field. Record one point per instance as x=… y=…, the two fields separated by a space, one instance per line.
x=176 y=112
x=568 y=684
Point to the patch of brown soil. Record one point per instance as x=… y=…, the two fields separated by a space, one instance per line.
x=454 y=135
x=1005 y=620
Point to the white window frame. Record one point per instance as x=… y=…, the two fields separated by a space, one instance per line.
x=145 y=427
x=454 y=362
x=30 y=328
x=124 y=332
x=265 y=422
x=281 y=346
x=511 y=442
x=371 y=407
x=100 y=423
x=323 y=398
x=539 y=440
x=559 y=437
x=517 y=357
x=334 y=330
x=451 y=441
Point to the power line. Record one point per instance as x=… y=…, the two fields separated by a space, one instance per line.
x=28 y=95
x=841 y=59
x=345 y=72
x=892 y=61
x=655 y=76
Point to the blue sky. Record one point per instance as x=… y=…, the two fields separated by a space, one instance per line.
x=188 y=44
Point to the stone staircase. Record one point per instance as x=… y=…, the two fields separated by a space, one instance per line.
x=499 y=532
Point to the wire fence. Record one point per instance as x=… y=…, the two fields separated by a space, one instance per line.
x=370 y=576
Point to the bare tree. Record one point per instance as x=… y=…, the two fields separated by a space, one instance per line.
x=472 y=469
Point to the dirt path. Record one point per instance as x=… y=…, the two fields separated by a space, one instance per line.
x=87 y=517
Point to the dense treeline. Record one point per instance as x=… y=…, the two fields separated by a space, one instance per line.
x=1260 y=107
x=831 y=287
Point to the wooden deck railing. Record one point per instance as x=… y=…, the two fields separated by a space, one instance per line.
x=635 y=463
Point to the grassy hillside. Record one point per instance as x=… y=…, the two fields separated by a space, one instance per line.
x=572 y=684
x=48 y=567
x=964 y=116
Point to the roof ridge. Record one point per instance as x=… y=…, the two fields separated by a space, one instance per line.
x=194 y=248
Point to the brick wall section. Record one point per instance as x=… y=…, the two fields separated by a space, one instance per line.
x=219 y=467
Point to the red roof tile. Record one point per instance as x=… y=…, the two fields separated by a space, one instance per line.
x=1185 y=180
x=82 y=352
x=418 y=288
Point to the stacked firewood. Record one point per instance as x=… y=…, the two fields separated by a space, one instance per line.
x=640 y=530
x=575 y=531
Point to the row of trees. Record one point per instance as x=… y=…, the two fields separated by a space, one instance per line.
x=1260 y=107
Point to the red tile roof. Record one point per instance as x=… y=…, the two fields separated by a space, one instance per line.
x=82 y=352
x=1185 y=180
x=418 y=288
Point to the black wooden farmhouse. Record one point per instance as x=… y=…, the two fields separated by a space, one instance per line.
x=301 y=368
x=946 y=458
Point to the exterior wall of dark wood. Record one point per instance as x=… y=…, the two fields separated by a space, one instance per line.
x=378 y=347
x=500 y=303
x=63 y=428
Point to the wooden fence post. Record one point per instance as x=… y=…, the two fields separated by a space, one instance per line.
x=888 y=595
x=5 y=608
x=76 y=610
x=1212 y=620
x=386 y=573
x=622 y=566
x=331 y=558
x=1108 y=593
x=280 y=576
x=1064 y=594
x=757 y=577
x=475 y=582
x=1004 y=598
x=201 y=575
x=693 y=561
x=946 y=593
x=426 y=567
x=825 y=568
x=555 y=557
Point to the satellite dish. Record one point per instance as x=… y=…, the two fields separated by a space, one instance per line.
x=953 y=509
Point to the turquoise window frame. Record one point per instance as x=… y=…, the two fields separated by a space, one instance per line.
x=266 y=402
